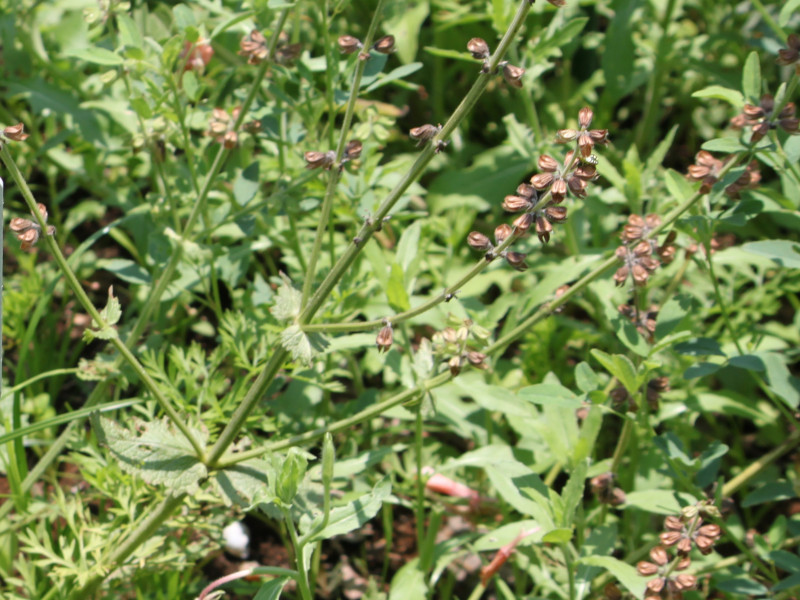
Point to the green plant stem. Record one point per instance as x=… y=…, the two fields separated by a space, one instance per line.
x=141 y=534
x=647 y=125
x=372 y=224
x=302 y=576
x=88 y=306
x=373 y=411
x=477 y=592
x=419 y=509
x=757 y=466
x=759 y=6
x=622 y=444
x=334 y=173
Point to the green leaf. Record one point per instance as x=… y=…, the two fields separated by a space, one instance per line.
x=751 y=78
x=741 y=586
x=404 y=21
x=561 y=535
x=271 y=590
x=155 y=452
x=620 y=367
x=125 y=269
x=700 y=347
x=660 y=502
x=241 y=483
x=674 y=315
x=585 y=377
x=128 y=31
x=354 y=514
x=191 y=86
x=546 y=393
x=184 y=17
x=626 y=574
x=98 y=56
x=112 y=311
x=677 y=185
x=396 y=290
x=505 y=534
x=791 y=582
x=302 y=346
x=784 y=252
x=770 y=492
x=732 y=97
x=409 y=582
x=572 y=494
x=701 y=369
x=246 y=184
x=788 y=10
x=288 y=301
x=781 y=381
x=398 y=73
x=407 y=249
x=727 y=145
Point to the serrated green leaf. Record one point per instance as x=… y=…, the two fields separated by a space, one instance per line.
x=395 y=74
x=240 y=484
x=288 y=301
x=751 y=78
x=296 y=341
x=97 y=56
x=155 y=452
x=112 y=311
x=191 y=86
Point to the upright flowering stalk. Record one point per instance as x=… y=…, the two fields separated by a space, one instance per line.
x=539 y=202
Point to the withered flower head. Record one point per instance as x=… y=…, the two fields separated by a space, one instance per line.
x=28 y=231
x=501 y=233
x=197 y=55
x=706 y=169
x=477 y=359
x=349 y=44
x=254 y=47
x=792 y=53
x=384 y=45
x=220 y=126
x=316 y=160
x=353 y=150
x=385 y=338
x=479 y=241
x=513 y=75
x=516 y=204
x=516 y=260
x=287 y=54
x=15 y=133
x=478 y=48
x=523 y=222
x=423 y=133
x=587 y=138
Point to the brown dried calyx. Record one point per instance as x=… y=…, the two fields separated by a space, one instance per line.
x=28 y=231
x=15 y=133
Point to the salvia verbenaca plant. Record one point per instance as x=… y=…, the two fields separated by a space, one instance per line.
x=213 y=452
